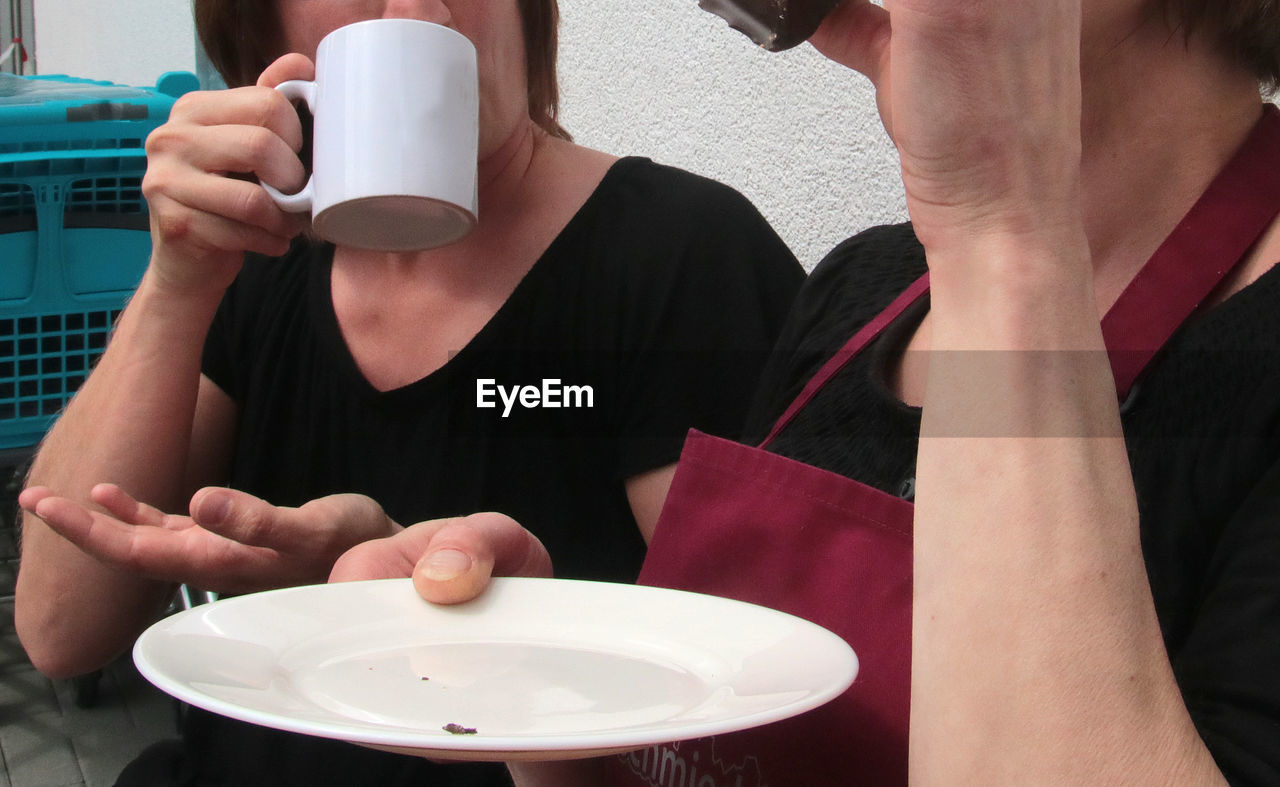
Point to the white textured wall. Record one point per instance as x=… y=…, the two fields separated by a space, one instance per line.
x=662 y=78
x=131 y=42
x=795 y=133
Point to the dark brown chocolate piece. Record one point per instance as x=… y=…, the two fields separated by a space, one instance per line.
x=773 y=24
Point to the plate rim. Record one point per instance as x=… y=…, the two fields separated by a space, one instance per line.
x=563 y=745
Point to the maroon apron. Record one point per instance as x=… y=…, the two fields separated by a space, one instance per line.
x=748 y=524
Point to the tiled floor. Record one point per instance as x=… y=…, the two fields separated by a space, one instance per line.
x=46 y=738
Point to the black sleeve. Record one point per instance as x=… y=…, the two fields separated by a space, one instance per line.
x=1229 y=667
x=708 y=328
x=850 y=286
x=218 y=361
x=263 y=286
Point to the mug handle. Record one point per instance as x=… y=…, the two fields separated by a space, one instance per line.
x=296 y=90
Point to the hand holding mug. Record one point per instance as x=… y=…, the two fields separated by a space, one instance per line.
x=202 y=221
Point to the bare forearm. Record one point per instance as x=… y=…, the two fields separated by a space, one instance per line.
x=134 y=419
x=1036 y=651
x=130 y=424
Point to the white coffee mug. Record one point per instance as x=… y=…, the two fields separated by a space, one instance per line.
x=396 y=106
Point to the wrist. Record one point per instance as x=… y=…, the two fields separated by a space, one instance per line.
x=180 y=309
x=1013 y=290
x=186 y=291
x=177 y=272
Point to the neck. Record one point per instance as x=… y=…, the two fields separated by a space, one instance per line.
x=1162 y=116
x=502 y=178
x=502 y=174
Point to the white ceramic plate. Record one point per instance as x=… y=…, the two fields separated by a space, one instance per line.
x=539 y=669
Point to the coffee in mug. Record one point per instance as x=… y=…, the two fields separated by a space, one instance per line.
x=396 y=133
x=773 y=24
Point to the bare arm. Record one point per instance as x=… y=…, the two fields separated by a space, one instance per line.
x=1036 y=648
x=134 y=419
x=646 y=493
x=1036 y=653
x=130 y=423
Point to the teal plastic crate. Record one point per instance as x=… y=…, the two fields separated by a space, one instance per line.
x=74 y=235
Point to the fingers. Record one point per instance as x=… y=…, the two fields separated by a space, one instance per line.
x=389 y=558
x=67 y=518
x=203 y=192
x=517 y=552
x=325 y=527
x=150 y=551
x=856 y=35
x=462 y=554
x=124 y=507
x=450 y=560
x=196 y=210
x=290 y=66
x=118 y=503
x=30 y=497
x=245 y=106
x=178 y=225
x=348 y=519
x=245 y=148
x=241 y=517
x=140 y=539
x=383 y=558
x=456 y=565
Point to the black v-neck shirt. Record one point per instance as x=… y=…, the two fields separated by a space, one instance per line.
x=663 y=295
x=1203 y=434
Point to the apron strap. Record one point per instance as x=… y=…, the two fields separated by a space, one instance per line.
x=851 y=348
x=1210 y=241
x=1207 y=245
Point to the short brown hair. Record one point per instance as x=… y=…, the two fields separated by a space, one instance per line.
x=1247 y=30
x=242 y=37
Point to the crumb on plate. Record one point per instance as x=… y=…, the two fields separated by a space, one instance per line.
x=458 y=729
